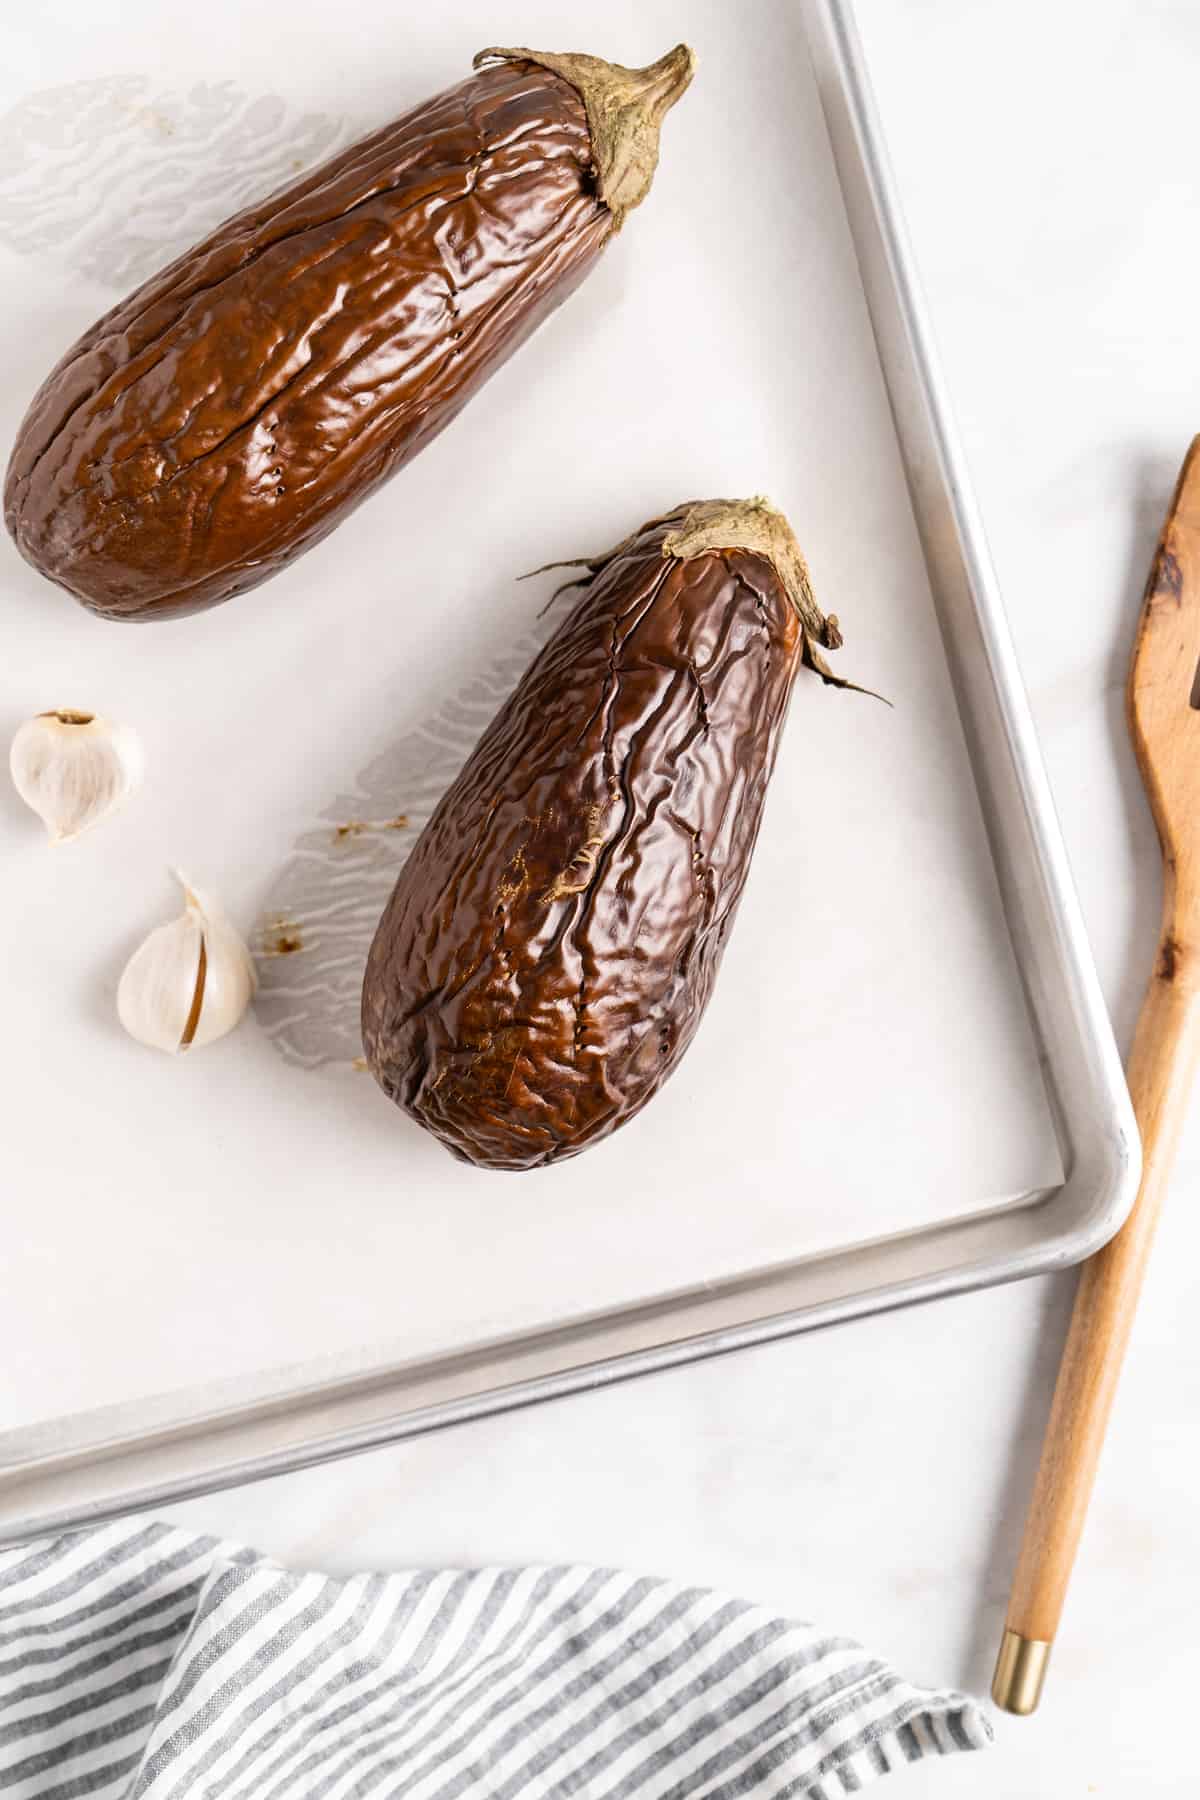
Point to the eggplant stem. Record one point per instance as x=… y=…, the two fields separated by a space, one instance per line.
x=625 y=110
x=699 y=527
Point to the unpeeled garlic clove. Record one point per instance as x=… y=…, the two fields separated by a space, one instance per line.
x=74 y=768
x=190 y=982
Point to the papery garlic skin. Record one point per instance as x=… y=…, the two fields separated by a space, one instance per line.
x=74 y=768
x=190 y=982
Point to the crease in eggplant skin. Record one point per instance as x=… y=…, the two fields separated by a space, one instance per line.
x=553 y=939
x=235 y=408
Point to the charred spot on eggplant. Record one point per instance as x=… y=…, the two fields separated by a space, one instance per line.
x=232 y=411
x=553 y=939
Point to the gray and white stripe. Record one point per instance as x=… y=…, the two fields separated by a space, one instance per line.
x=139 y=1662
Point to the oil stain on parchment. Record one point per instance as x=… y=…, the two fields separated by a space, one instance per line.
x=328 y=897
x=115 y=177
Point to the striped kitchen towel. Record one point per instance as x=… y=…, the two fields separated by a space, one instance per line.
x=151 y=1664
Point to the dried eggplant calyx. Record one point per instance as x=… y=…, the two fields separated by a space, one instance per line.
x=755 y=525
x=625 y=110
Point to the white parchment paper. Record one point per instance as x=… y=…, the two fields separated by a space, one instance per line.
x=866 y=1065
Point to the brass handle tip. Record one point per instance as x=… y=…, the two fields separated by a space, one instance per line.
x=1020 y=1672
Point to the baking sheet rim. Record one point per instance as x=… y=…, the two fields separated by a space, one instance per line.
x=96 y=1465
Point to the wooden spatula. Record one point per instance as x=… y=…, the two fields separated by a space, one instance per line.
x=1164 y=694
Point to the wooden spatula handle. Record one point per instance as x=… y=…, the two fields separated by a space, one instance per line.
x=1164 y=724
x=1162 y=1067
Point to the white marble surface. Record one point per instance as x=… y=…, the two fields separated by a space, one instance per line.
x=874 y=1477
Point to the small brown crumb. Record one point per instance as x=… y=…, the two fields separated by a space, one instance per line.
x=281 y=938
x=359 y=1064
x=356 y=827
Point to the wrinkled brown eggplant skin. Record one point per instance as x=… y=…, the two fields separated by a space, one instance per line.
x=234 y=409
x=553 y=939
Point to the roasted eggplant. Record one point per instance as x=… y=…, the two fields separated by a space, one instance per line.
x=236 y=407
x=552 y=941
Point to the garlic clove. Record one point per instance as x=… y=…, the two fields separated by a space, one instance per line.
x=190 y=982
x=73 y=768
x=158 y=989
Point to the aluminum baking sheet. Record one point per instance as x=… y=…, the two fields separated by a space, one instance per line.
x=906 y=1085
